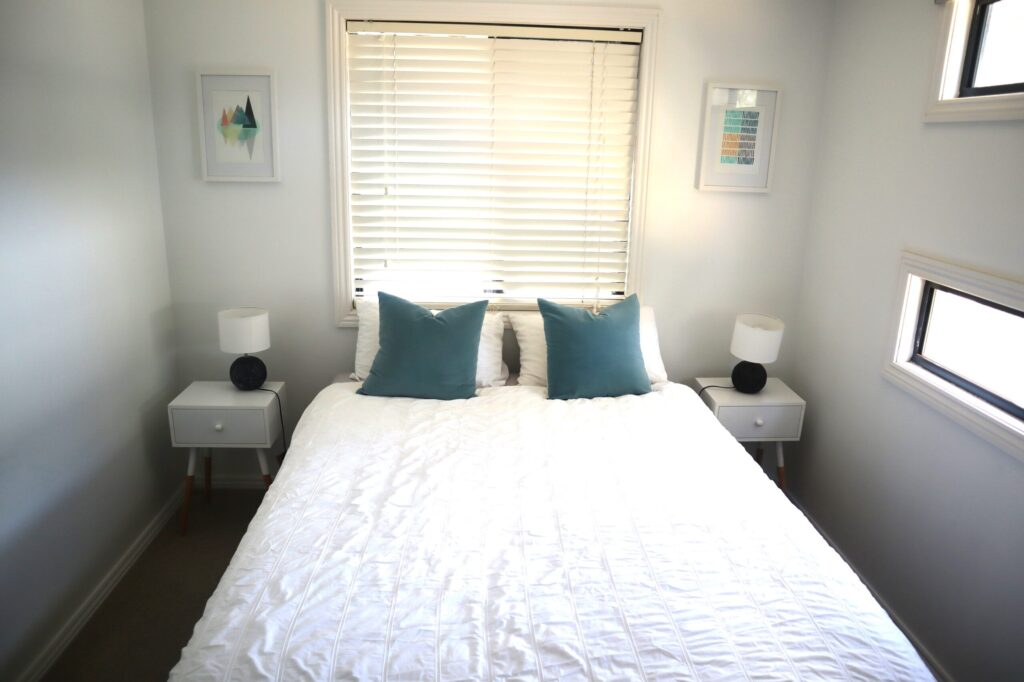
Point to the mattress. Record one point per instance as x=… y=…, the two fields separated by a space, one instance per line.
x=513 y=537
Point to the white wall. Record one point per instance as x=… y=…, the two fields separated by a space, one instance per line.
x=259 y=244
x=932 y=515
x=708 y=255
x=86 y=349
x=927 y=511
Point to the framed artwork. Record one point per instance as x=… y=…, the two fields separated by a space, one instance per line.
x=237 y=126
x=739 y=132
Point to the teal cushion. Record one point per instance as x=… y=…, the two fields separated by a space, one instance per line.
x=592 y=356
x=423 y=355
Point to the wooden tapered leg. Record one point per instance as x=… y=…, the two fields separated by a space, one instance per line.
x=261 y=455
x=781 y=468
x=207 y=470
x=190 y=477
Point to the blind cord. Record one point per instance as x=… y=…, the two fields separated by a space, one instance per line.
x=590 y=160
x=392 y=153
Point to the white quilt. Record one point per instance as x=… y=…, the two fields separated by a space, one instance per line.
x=512 y=537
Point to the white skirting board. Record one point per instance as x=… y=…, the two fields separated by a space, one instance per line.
x=932 y=662
x=55 y=647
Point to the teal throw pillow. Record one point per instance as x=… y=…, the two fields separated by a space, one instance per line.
x=423 y=355
x=592 y=356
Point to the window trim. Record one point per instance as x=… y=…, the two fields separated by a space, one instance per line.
x=340 y=11
x=963 y=406
x=945 y=102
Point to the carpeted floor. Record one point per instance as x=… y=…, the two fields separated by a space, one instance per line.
x=139 y=631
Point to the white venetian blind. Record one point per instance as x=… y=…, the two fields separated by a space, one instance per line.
x=491 y=162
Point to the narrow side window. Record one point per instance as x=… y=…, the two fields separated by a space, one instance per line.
x=979 y=65
x=957 y=343
x=972 y=343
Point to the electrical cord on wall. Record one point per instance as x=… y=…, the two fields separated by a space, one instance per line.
x=707 y=387
x=280 y=412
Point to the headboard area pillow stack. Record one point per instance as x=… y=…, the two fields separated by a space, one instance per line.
x=405 y=350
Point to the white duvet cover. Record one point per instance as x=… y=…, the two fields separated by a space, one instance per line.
x=513 y=537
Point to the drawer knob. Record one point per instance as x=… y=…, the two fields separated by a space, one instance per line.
x=218 y=427
x=759 y=421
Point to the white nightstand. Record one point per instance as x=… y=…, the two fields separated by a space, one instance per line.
x=776 y=414
x=215 y=414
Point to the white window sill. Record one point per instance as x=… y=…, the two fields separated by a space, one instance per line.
x=985 y=420
x=984 y=108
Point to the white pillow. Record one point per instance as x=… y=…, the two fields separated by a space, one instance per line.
x=533 y=347
x=650 y=347
x=490 y=370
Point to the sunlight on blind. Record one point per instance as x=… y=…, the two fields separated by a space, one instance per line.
x=487 y=167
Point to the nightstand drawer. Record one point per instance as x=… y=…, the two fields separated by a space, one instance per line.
x=210 y=427
x=762 y=422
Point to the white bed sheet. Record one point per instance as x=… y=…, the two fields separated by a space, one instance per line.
x=512 y=537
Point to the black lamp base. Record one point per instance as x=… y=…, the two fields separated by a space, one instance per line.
x=248 y=373
x=749 y=377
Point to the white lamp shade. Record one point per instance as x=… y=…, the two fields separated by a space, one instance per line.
x=244 y=330
x=757 y=338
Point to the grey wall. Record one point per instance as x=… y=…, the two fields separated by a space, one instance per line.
x=708 y=255
x=930 y=514
x=86 y=348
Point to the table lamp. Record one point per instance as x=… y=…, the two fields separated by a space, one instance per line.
x=755 y=340
x=245 y=330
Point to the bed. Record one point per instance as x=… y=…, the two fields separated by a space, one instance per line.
x=513 y=537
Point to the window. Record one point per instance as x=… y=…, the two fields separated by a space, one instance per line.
x=958 y=342
x=979 y=72
x=490 y=161
x=994 y=58
x=477 y=155
x=974 y=344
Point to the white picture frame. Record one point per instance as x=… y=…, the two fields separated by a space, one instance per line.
x=237 y=125
x=739 y=132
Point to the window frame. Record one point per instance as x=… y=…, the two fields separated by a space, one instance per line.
x=945 y=101
x=960 y=403
x=340 y=11
x=920 y=334
x=972 y=54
